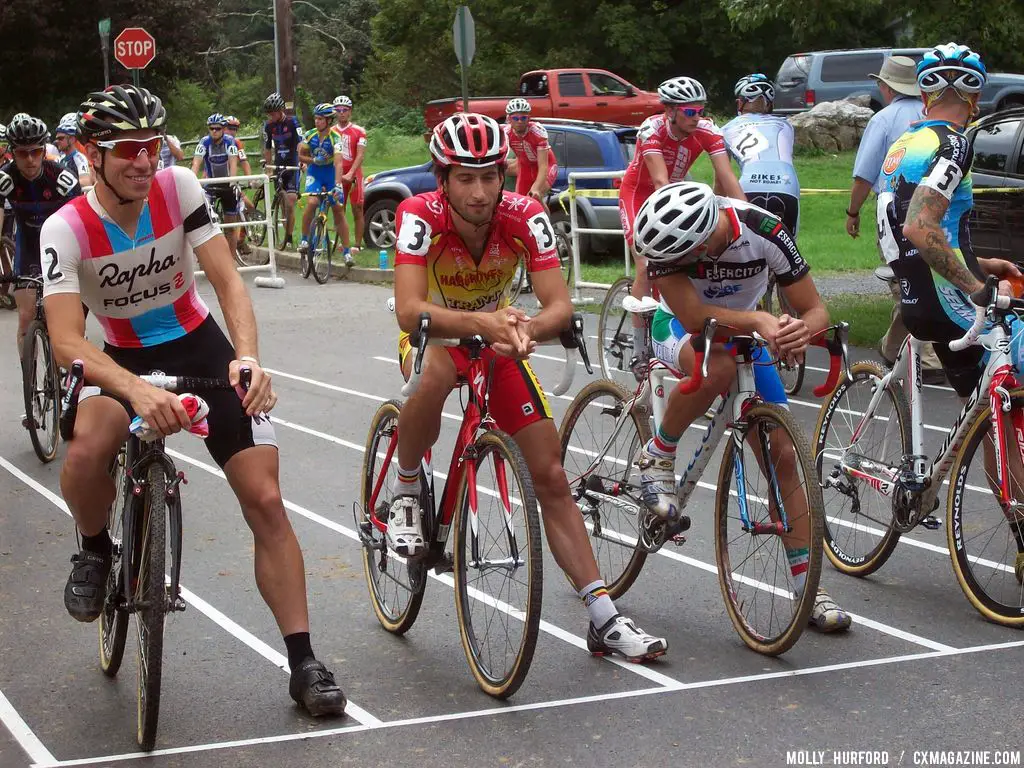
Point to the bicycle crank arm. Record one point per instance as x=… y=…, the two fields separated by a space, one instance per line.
x=619 y=502
x=881 y=477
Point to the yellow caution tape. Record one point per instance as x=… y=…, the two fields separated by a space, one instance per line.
x=977 y=191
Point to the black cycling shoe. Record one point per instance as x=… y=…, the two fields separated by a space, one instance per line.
x=313 y=687
x=86 y=588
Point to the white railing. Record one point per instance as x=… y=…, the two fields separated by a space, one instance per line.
x=273 y=280
x=576 y=230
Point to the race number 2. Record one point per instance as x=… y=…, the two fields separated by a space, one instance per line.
x=51 y=264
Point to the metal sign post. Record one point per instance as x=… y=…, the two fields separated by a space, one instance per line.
x=105 y=45
x=464 y=33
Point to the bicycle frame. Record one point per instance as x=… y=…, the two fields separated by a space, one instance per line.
x=462 y=468
x=925 y=480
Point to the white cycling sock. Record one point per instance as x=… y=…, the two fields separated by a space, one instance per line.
x=599 y=603
x=407 y=482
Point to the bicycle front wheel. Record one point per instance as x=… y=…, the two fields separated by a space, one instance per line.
x=498 y=568
x=6 y=270
x=150 y=598
x=41 y=387
x=615 y=331
x=768 y=517
x=860 y=533
x=114 y=619
x=321 y=250
x=258 y=232
x=986 y=536
x=396 y=585
x=600 y=441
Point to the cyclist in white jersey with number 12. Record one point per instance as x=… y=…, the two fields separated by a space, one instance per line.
x=762 y=145
x=126 y=251
x=711 y=256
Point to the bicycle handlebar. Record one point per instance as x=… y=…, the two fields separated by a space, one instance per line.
x=571 y=339
x=281 y=167
x=15 y=279
x=76 y=378
x=986 y=301
x=839 y=358
x=702 y=347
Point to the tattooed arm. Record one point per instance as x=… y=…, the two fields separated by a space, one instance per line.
x=922 y=227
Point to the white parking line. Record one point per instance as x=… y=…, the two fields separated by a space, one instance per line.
x=537 y=706
x=356 y=712
x=22 y=734
x=876 y=625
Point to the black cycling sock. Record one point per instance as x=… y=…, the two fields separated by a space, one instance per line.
x=100 y=543
x=299 y=649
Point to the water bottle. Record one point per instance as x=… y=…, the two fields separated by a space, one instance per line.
x=383 y=259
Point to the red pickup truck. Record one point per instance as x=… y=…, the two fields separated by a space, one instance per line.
x=580 y=94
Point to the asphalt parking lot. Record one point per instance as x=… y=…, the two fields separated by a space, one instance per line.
x=920 y=670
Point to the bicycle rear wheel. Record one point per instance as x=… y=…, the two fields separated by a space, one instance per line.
x=6 y=270
x=498 y=568
x=860 y=534
x=114 y=619
x=248 y=240
x=615 y=331
x=150 y=597
x=321 y=250
x=609 y=496
x=258 y=232
x=770 y=469
x=41 y=388
x=986 y=541
x=396 y=586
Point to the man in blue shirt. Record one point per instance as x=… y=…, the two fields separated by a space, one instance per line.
x=897 y=82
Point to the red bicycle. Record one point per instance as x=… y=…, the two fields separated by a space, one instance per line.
x=488 y=499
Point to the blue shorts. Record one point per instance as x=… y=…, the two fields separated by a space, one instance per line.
x=668 y=336
x=318 y=177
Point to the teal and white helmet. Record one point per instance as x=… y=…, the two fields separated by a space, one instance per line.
x=951 y=66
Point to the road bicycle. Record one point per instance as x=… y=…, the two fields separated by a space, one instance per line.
x=521 y=282
x=487 y=504
x=317 y=258
x=767 y=499
x=277 y=208
x=41 y=379
x=615 y=333
x=145 y=526
x=878 y=483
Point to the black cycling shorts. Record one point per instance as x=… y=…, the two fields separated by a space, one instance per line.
x=230 y=200
x=779 y=205
x=204 y=352
x=290 y=181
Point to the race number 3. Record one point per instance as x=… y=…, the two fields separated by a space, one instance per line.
x=543 y=234
x=414 y=236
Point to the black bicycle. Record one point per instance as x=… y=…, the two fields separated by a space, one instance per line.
x=6 y=270
x=39 y=375
x=258 y=233
x=145 y=526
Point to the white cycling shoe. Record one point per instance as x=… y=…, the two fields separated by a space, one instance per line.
x=827 y=616
x=620 y=635
x=658 y=484
x=405 y=529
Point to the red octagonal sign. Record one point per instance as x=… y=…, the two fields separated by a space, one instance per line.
x=134 y=48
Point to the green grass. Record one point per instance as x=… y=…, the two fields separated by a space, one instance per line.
x=868 y=317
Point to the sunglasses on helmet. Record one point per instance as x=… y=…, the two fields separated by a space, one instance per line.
x=129 y=149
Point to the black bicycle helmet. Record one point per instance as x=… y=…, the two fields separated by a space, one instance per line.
x=27 y=131
x=120 y=108
x=274 y=103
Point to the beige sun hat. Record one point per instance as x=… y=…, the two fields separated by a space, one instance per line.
x=900 y=74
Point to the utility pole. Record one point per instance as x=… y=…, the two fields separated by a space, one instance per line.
x=286 y=60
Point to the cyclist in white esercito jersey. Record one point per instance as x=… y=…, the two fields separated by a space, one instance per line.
x=762 y=144
x=126 y=251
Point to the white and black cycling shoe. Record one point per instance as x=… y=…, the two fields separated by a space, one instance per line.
x=620 y=635
x=405 y=529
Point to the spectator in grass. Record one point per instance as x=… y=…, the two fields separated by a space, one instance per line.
x=897 y=82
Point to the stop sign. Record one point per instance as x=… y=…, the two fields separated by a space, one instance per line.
x=134 y=48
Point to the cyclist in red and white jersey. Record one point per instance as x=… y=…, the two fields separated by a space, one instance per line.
x=534 y=164
x=126 y=251
x=352 y=147
x=667 y=145
x=457 y=252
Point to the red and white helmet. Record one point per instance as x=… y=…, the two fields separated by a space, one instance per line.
x=469 y=139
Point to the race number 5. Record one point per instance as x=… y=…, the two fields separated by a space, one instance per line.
x=945 y=177
x=414 y=236
x=543 y=234
x=52 y=265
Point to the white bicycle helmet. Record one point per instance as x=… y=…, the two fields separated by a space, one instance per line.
x=674 y=220
x=68 y=124
x=517 y=105
x=750 y=87
x=681 y=90
x=951 y=66
x=469 y=139
x=343 y=101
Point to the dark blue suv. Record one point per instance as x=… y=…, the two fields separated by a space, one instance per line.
x=578 y=146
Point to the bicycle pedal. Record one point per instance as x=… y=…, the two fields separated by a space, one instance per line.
x=931 y=522
x=178 y=605
x=678 y=539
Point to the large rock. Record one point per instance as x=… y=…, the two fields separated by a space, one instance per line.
x=832 y=126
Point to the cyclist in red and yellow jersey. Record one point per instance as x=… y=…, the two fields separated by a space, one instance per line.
x=457 y=252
